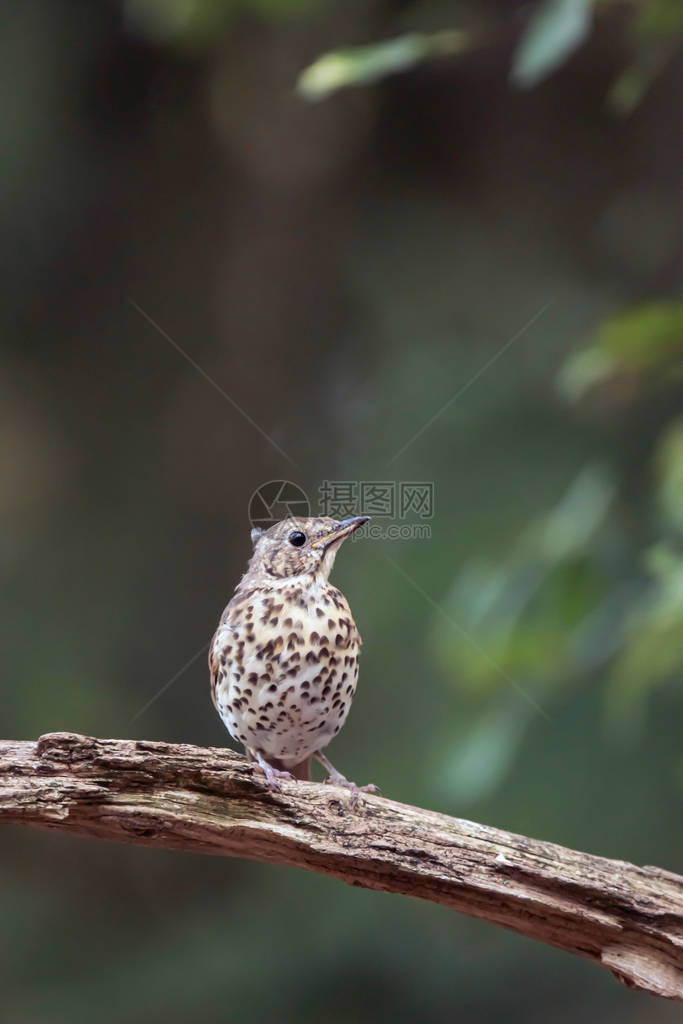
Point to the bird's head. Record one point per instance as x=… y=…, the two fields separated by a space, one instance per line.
x=300 y=547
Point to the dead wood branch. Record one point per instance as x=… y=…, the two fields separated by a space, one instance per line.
x=627 y=918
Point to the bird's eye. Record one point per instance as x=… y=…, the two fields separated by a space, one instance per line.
x=297 y=538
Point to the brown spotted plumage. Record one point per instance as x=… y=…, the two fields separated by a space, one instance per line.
x=284 y=659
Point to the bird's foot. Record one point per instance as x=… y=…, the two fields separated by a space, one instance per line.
x=273 y=775
x=336 y=778
x=354 y=790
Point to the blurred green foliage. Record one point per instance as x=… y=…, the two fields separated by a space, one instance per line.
x=544 y=613
x=363 y=65
x=657 y=30
x=639 y=348
x=555 y=30
x=356 y=275
x=199 y=23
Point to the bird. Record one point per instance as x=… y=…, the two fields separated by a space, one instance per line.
x=283 y=661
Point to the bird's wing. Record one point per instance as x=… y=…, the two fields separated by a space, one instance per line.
x=218 y=642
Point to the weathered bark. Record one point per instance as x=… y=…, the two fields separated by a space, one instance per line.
x=627 y=918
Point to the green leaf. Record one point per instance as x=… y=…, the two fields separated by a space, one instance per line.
x=194 y=24
x=660 y=18
x=569 y=528
x=556 y=29
x=644 y=335
x=638 y=339
x=650 y=654
x=363 y=65
x=583 y=371
x=669 y=466
x=478 y=764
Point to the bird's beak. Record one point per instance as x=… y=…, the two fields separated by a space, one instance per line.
x=341 y=530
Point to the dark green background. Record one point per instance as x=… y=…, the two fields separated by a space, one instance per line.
x=342 y=270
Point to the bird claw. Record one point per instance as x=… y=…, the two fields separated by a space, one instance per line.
x=272 y=774
x=337 y=779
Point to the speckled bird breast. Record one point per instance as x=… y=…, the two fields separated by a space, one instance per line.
x=284 y=668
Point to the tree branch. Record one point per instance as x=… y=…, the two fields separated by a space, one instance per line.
x=627 y=918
